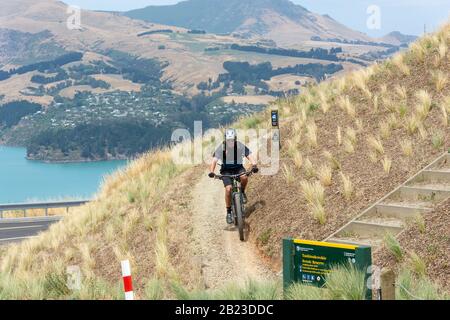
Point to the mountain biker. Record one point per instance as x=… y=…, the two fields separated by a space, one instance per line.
x=231 y=153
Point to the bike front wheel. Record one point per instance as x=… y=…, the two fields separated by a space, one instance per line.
x=239 y=209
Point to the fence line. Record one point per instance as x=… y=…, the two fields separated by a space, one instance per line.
x=24 y=207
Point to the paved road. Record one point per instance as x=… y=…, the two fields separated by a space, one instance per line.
x=13 y=230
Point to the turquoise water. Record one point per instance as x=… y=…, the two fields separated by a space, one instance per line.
x=22 y=180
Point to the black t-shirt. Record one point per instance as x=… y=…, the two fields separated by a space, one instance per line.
x=233 y=158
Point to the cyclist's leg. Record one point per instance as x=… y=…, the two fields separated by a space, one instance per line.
x=228 y=190
x=244 y=180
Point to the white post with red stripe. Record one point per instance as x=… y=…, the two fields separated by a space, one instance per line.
x=127 y=282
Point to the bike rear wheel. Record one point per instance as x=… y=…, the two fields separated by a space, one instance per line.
x=239 y=215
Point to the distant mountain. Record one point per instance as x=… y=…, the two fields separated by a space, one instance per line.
x=279 y=20
x=398 y=38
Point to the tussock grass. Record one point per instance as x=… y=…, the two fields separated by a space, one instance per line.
x=412 y=124
x=398 y=62
x=345 y=104
x=288 y=174
x=423 y=133
x=376 y=145
x=311 y=134
x=407 y=147
x=344 y=282
x=310 y=171
x=385 y=130
x=313 y=192
x=393 y=121
x=393 y=247
x=420 y=223
x=387 y=164
x=424 y=104
x=440 y=80
x=348 y=189
x=325 y=175
x=416 y=264
x=438 y=139
x=373 y=157
x=332 y=160
x=318 y=212
x=297 y=158
x=401 y=92
x=415 y=287
x=154 y=289
x=418 y=52
x=349 y=147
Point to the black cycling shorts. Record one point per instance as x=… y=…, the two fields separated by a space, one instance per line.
x=226 y=180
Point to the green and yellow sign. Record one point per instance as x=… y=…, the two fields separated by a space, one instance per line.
x=309 y=262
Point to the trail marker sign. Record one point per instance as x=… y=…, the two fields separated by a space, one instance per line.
x=309 y=262
x=275 y=128
x=275 y=119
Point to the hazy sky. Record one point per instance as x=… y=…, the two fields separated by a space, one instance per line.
x=407 y=16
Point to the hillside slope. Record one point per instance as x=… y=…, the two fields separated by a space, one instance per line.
x=353 y=139
x=280 y=20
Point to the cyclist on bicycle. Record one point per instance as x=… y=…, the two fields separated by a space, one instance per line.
x=231 y=153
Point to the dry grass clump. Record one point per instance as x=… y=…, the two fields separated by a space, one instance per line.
x=289 y=176
x=407 y=147
x=314 y=194
x=297 y=158
x=332 y=160
x=412 y=124
x=440 y=80
x=345 y=104
x=399 y=63
x=444 y=113
x=308 y=166
x=438 y=139
x=350 y=140
x=348 y=189
x=376 y=145
x=311 y=134
x=385 y=129
x=325 y=175
x=387 y=164
x=424 y=104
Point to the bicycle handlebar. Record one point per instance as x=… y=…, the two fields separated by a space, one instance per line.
x=233 y=176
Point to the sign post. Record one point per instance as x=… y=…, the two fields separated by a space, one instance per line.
x=309 y=262
x=276 y=128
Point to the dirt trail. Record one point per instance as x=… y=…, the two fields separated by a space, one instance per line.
x=224 y=257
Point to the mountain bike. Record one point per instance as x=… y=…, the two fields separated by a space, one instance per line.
x=237 y=203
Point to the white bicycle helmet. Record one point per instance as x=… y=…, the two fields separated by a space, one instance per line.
x=230 y=134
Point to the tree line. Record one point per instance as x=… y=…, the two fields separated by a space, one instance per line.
x=43 y=66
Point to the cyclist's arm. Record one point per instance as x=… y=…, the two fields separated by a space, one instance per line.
x=212 y=167
x=252 y=159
